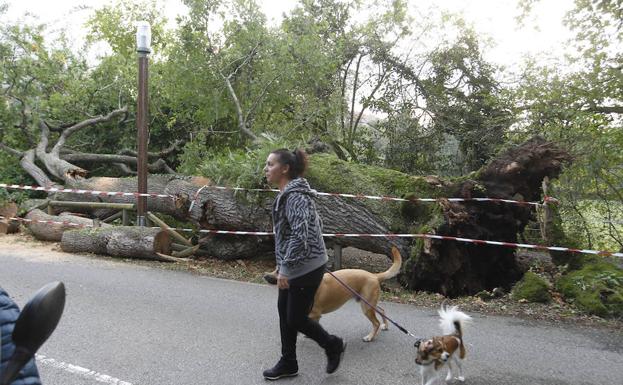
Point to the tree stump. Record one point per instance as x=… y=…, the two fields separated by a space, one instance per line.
x=7 y=226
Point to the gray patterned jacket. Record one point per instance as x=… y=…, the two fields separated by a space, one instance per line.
x=299 y=247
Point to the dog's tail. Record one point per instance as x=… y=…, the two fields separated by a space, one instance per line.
x=452 y=321
x=395 y=267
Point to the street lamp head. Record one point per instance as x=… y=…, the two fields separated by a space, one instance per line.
x=143 y=37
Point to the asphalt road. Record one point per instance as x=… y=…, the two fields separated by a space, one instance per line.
x=133 y=324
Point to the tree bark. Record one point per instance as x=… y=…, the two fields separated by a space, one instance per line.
x=47 y=232
x=118 y=241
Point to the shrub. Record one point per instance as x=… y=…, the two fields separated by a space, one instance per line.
x=532 y=288
x=597 y=288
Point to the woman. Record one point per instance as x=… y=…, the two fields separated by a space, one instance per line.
x=301 y=259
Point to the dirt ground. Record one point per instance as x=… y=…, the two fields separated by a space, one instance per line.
x=253 y=270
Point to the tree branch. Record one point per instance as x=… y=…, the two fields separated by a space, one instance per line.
x=605 y=109
x=343 y=95
x=28 y=164
x=155 y=155
x=23 y=126
x=366 y=102
x=11 y=151
x=251 y=111
x=156 y=166
x=242 y=124
x=85 y=123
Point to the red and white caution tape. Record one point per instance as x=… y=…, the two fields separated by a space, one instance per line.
x=387 y=198
x=341 y=235
x=47 y=222
x=344 y=195
x=81 y=191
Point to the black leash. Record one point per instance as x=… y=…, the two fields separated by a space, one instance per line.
x=382 y=314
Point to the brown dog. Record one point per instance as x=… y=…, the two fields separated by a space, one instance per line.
x=331 y=295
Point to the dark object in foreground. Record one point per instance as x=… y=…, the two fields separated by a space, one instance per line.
x=34 y=326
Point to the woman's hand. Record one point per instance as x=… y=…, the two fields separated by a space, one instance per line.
x=282 y=282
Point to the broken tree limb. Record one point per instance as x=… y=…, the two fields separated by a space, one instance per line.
x=166 y=227
x=168 y=258
x=93 y=205
x=177 y=247
x=187 y=252
x=115 y=216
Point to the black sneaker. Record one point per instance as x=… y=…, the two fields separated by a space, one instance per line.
x=335 y=352
x=284 y=368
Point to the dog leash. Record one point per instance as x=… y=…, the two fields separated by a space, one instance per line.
x=382 y=314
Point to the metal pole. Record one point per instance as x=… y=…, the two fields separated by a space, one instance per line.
x=141 y=125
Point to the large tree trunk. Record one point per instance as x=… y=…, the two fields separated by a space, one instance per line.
x=118 y=241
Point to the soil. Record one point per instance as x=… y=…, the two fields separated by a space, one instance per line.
x=253 y=270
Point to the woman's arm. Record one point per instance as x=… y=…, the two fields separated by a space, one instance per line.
x=298 y=215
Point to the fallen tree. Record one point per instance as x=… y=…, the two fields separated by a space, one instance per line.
x=447 y=267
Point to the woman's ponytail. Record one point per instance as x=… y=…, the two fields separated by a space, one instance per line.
x=297 y=160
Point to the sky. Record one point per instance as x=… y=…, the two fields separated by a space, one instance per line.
x=543 y=32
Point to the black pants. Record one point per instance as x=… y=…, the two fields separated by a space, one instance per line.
x=294 y=305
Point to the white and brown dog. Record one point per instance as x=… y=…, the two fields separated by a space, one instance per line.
x=449 y=349
x=331 y=295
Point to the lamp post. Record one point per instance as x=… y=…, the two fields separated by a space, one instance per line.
x=143 y=48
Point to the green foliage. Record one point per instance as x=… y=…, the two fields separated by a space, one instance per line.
x=236 y=168
x=12 y=196
x=40 y=81
x=577 y=101
x=115 y=24
x=597 y=288
x=459 y=116
x=531 y=288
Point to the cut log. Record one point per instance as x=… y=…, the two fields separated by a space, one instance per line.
x=7 y=226
x=118 y=241
x=53 y=232
x=138 y=242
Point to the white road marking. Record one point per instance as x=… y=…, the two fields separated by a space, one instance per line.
x=84 y=372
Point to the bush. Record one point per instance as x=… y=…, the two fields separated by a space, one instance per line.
x=532 y=288
x=597 y=288
x=230 y=167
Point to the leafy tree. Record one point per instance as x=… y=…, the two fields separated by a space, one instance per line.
x=582 y=106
